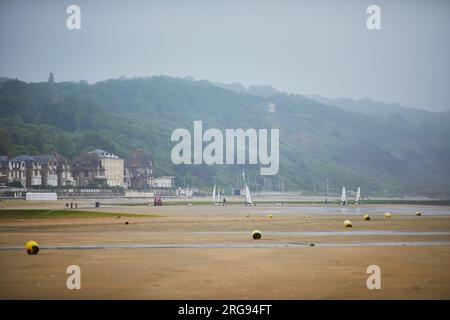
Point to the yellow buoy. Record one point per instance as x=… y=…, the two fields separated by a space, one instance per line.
x=418 y=213
x=32 y=247
x=347 y=223
x=270 y=216
x=366 y=217
x=256 y=234
x=387 y=215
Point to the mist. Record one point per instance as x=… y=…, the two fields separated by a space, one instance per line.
x=307 y=47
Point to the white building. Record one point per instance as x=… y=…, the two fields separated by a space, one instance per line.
x=26 y=170
x=63 y=171
x=48 y=166
x=113 y=166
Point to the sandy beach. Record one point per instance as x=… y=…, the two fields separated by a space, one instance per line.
x=207 y=252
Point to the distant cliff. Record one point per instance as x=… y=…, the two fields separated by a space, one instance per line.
x=400 y=152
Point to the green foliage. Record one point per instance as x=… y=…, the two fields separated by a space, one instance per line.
x=393 y=154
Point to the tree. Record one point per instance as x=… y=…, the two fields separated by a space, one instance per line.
x=6 y=146
x=65 y=146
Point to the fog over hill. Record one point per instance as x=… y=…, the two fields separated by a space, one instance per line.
x=396 y=151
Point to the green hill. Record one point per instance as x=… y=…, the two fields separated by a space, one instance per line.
x=394 y=153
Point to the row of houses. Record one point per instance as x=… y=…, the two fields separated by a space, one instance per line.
x=95 y=168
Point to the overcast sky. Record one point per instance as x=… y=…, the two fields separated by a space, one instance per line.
x=308 y=47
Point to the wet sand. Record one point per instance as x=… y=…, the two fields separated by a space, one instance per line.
x=207 y=252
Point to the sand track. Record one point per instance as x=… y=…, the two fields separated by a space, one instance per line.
x=200 y=252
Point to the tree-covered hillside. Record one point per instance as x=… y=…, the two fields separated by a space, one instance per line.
x=390 y=153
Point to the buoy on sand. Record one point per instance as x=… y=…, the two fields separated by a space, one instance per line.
x=247 y=215
x=387 y=215
x=347 y=223
x=366 y=217
x=256 y=234
x=270 y=216
x=32 y=247
x=418 y=213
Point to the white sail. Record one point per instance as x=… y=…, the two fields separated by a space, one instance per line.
x=187 y=193
x=248 y=196
x=218 y=195
x=344 y=196
x=358 y=195
x=214 y=194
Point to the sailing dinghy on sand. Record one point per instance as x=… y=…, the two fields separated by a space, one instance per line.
x=217 y=201
x=187 y=196
x=343 y=197
x=248 y=197
x=358 y=196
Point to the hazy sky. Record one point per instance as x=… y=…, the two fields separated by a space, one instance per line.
x=307 y=47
